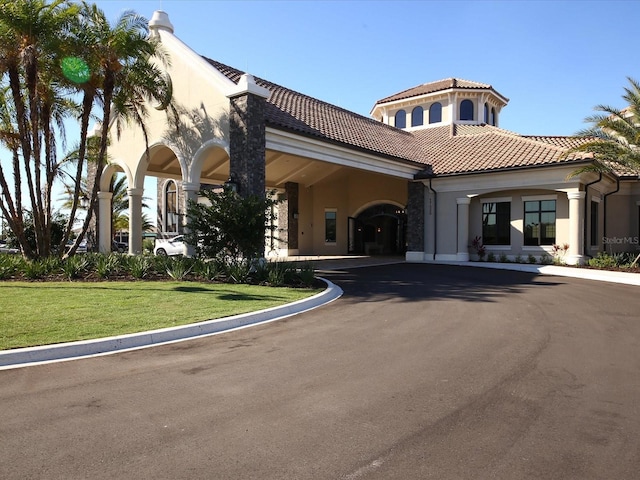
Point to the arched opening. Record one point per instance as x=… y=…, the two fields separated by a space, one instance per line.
x=417 y=116
x=171 y=210
x=379 y=230
x=435 y=113
x=466 y=110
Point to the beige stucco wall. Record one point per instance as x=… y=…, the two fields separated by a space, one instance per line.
x=191 y=76
x=517 y=246
x=515 y=185
x=349 y=195
x=623 y=231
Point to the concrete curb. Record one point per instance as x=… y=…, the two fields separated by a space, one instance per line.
x=21 y=357
x=584 y=273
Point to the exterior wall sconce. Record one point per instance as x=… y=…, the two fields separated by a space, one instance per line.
x=295 y=214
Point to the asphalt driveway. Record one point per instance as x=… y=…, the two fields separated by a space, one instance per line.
x=418 y=371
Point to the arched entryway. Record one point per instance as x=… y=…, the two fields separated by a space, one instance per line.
x=378 y=230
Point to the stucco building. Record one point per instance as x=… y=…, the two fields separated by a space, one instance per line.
x=429 y=171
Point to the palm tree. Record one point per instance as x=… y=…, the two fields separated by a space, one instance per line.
x=124 y=64
x=119 y=200
x=32 y=36
x=614 y=137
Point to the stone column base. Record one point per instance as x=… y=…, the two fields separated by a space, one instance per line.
x=416 y=257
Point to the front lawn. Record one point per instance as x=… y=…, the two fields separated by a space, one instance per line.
x=52 y=312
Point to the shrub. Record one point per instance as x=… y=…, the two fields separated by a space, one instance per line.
x=546 y=259
x=307 y=274
x=491 y=257
x=75 y=266
x=108 y=265
x=604 y=260
x=518 y=259
x=559 y=252
x=230 y=225
x=276 y=275
x=139 y=266
x=532 y=259
x=35 y=269
x=179 y=268
x=208 y=270
x=504 y=258
x=147 y=245
x=10 y=265
x=237 y=271
x=479 y=247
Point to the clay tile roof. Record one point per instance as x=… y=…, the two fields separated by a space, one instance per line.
x=559 y=141
x=432 y=87
x=445 y=150
x=480 y=148
x=290 y=110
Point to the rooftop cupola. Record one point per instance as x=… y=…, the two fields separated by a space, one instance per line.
x=440 y=103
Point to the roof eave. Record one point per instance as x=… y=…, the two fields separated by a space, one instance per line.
x=405 y=161
x=511 y=169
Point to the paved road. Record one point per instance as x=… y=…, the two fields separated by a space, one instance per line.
x=418 y=372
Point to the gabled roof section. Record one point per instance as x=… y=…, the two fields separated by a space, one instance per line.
x=440 y=85
x=289 y=110
x=461 y=149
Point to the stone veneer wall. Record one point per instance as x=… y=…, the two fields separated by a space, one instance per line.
x=415 y=217
x=247 y=143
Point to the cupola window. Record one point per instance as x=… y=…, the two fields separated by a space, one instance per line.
x=435 y=113
x=417 y=116
x=466 y=110
x=401 y=119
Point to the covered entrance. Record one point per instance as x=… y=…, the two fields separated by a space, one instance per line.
x=378 y=230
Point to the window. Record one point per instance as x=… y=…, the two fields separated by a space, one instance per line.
x=594 y=223
x=540 y=222
x=486 y=113
x=330 y=226
x=466 y=110
x=496 y=223
x=171 y=213
x=435 y=113
x=417 y=117
x=493 y=117
x=401 y=119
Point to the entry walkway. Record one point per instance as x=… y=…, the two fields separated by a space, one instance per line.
x=341 y=262
x=329 y=263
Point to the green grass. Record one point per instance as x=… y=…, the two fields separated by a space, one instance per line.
x=52 y=312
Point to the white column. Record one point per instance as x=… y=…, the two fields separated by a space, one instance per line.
x=190 y=194
x=463 y=229
x=453 y=107
x=104 y=207
x=575 y=255
x=135 y=220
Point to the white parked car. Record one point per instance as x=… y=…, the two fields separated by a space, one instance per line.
x=4 y=248
x=171 y=246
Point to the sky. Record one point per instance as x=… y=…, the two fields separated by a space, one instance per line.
x=554 y=60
